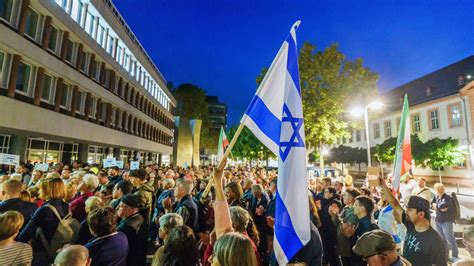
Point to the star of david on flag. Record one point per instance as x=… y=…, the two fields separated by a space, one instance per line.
x=275 y=117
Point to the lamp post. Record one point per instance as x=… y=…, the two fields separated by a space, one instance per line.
x=357 y=112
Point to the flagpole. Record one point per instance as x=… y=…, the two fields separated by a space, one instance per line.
x=224 y=157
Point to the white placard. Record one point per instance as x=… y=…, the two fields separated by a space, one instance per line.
x=44 y=167
x=9 y=159
x=134 y=165
x=119 y=164
x=106 y=163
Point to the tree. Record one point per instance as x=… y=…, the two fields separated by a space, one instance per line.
x=440 y=153
x=385 y=152
x=191 y=103
x=329 y=83
x=248 y=146
x=344 y=154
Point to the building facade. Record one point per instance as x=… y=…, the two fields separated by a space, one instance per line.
x=441 y=106
x=76 y=84
x=217 y=113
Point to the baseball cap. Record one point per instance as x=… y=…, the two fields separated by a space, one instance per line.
x=374 y=242
x=419 y=203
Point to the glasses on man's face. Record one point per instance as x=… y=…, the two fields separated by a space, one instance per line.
x=368 y=257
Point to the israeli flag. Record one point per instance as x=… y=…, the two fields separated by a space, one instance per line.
x=275 y=116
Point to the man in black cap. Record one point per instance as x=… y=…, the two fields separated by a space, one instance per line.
x=378 y=248
x=134 y=227
x=423 y=245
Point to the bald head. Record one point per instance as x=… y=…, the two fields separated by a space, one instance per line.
x=74 y=255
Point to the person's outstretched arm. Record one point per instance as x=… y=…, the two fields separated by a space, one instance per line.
x=222 y=221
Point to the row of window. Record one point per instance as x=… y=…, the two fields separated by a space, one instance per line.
x=91 y=109
x=84 y=13
x=86 y=63
x=454 y=120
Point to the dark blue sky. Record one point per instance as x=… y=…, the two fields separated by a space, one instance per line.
x=222 y=45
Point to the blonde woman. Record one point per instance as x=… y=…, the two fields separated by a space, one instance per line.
x=233 y=249
x=53 y=191
x=13 y=253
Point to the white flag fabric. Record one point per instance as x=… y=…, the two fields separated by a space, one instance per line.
x=275 y=117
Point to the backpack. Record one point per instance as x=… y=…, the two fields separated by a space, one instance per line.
x=457 y=207
x=66 y=233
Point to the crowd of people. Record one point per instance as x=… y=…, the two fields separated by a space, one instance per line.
x=81 y=214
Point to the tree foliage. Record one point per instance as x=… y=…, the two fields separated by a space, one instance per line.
x=435 y=153
x=248 y=146
x=191 y=103
x=329 y=83
x=440 y=153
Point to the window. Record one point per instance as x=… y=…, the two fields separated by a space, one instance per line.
x=388 y=129
x=3 y=68
x=434 y=119
x=80 y=102
x=460 y=80
x=93 y=106
x=6 y=7
x=376 y=130
x=100 y=35
x=95 y=70
x=416 y=123
x=104 y=112
x=461 y=164
x=351 y=137
x=358 y=135
x=66 y=97
x=110 y=44
x=23 y=78
x=4 y=142
x=455 y=115
x=53 y=40
x=80 y=9
x=71 y=52
x=66 y=5
x=85 y=62
x=89 y=25
x=112 y=117
x=428 y=91
x=107 y=78
x=31 y=23
x=47 y=92
x=119 y=118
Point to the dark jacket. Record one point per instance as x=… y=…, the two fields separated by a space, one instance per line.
x=109 y=250
x=45 y=219
x=27 y=209
x=85 y=234
x=188 y=209
x=445 y=201
x=365 y=225
x=135 y=230
x=115 y=179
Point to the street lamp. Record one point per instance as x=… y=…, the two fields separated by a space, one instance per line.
x=359 y=111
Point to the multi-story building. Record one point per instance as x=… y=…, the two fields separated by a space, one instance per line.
x=441 y=106
x=75 y=83
x=217 y=113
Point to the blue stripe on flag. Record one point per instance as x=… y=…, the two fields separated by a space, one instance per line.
x=292 y=62
x=284 y=231
x=266 y=121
